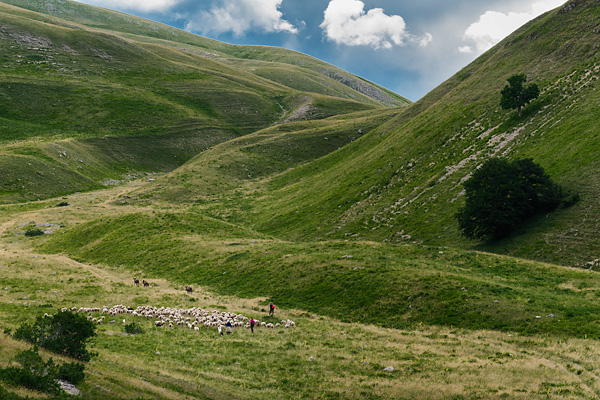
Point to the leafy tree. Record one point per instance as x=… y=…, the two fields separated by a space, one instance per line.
x=63 y=333
x=501 y=194
x=516 y=95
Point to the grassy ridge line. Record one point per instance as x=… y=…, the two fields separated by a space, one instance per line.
x=391 y=286
x=100 y=83
x=42 y=170
x=402 y=182
x=247 y=160
x=149 y=31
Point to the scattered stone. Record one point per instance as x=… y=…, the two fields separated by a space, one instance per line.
x=389 y=369
x=311 y=358
x=69 y=388
x=538 y=317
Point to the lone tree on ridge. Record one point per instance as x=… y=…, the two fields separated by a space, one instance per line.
x=515 y=95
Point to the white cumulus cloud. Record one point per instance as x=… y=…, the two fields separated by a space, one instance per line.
x=241 y=16
x=134 y=5
x=345 y=22
x=493 y=26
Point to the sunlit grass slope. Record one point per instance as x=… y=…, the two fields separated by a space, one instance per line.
x=545 y=315
x=72 y=74
x=401 y=183
x=386 y=285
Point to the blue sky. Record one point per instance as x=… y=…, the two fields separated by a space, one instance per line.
x=407 y=46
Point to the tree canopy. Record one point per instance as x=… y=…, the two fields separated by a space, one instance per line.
x=516 y=95
x=501 y=194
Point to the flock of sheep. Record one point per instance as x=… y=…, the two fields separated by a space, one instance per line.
x=192 y=318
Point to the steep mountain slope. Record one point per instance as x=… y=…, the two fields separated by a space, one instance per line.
x=67 y=82
x=402 y=182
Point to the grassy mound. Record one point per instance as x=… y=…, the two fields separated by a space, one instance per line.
x=386 y=285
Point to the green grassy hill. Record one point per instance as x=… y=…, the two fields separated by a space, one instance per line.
x=401 y=182
x=92 y=95
x=256 y=174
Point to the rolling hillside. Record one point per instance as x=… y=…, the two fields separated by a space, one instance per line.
x=401 y=182
x=256 y=174
x=89 y=96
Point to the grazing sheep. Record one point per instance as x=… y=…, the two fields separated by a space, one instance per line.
x=145 y=283
x=189 y=289
x=193 y=318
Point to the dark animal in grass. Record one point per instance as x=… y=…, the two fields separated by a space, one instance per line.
x=189 y=289
x=145 y=283
x=136 y=281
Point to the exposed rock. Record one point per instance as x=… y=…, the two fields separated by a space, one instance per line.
x=69 y=388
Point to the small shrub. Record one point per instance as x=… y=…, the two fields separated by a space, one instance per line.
x=71 y=372
x=34 y=232
x=62 y=204
x=34 y=373
x=64 y=333
x=133 y=329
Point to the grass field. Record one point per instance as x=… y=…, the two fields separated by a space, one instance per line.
x=254 y=175
x=321 y=357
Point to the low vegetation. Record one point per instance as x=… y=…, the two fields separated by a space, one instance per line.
x=41 y=376
x=63 y=333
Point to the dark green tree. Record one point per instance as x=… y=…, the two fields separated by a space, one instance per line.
x=516 y=95
x=501 y=195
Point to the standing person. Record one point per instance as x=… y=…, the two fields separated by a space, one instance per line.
x=229 y=326
x=271 y=309
x=220 y=330
x=252 y=323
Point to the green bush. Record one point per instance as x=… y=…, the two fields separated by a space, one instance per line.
x=133 y=329
x=34 y=373
x=71 y=372
x=63 y=333
x=501 y=195
x=62 y=204
x=34 y=232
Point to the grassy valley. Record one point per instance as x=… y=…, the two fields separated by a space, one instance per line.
x=155 y=103
x=257 y=175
